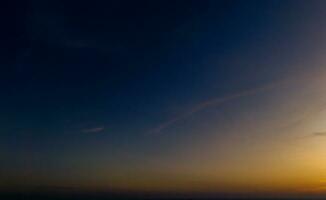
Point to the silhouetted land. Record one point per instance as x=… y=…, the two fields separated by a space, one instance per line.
x=119 y=196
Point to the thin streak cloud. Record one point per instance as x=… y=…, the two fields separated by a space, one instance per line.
x=319 y=134
x=93 y=130
x=313 y=135
x=210 y=103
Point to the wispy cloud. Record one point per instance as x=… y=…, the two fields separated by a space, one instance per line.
x=210 y=103
x=93 y=130
x=319 y=134
x=313 y=135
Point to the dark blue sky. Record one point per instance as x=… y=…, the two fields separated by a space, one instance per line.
x=93 y=78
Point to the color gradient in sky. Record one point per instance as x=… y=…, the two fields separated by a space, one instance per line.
x=208 y=97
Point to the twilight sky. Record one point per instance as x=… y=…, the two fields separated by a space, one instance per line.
x=164 y=96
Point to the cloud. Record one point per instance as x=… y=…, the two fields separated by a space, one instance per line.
x=93 y=130
x=319 y=134
x=314 y=135
x=210 y=103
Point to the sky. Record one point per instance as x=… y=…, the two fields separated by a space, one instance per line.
x=164 y=96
